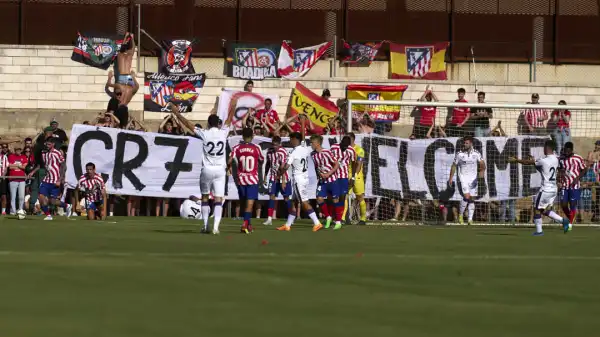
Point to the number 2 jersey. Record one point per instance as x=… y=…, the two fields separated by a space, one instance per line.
x=548 y=167
x=215 y=143
x=248 y=157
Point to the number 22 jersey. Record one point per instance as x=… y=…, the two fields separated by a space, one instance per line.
x=215 y=143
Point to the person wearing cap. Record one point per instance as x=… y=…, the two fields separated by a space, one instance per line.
x=534 y=118
x=58 y=133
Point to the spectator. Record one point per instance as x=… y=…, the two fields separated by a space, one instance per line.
x=326 y=94
x=17 y=162
x=585 y=202
x=109 y=120
x=28 y=142
x=113 y=103
x=534 y=118
x=481 y=117
x=426 y=114
x=3 y=172
x=267 y=116
x=459 y=117
x=559 y=125
x=249 y=86
x=58 y=133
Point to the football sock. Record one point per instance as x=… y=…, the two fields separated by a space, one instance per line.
x=537 y=220
x=463 y=206
x=345 y=208
x=324 y=209
x=218 y=214
x=247 y=217
x=330 y=208
x=363 y=210
x=553 y=216
x=339 y=211
x=290 y=219
x=471 y=210
x=270 y=210
x=46 y=210
x=205 y=213
x=313 y=217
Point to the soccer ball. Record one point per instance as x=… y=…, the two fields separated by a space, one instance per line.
x=21 y=214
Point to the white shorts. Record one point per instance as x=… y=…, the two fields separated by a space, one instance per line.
x=544 y=200
x=212 y=180
x=300 y=190
x=469 y=185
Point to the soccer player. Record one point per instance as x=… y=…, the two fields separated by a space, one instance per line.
x=248 y=158
x=547 y=165
x=50 y=186
x=214 y=167
x=346 y=156
x=571 y=167
x=470 y=164
x=357 y=182
x=298 y=161
x=93 y=188
x=278 y=184
x=326 y=168
x=189 y=210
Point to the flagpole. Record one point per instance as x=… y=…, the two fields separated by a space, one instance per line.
x=139 y=27
x=334 y=56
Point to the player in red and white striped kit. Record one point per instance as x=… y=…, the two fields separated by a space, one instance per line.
x=346 y=156
x=326 y=167
x=93 y=188
x=50 y=186
x=248 y=158
x=276 y=158
x=571 y=167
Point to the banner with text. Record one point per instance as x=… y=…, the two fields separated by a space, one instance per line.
x=137 y=163
x=251 y=61
x=235 y=104
x=319 y=110
x=379 y=113
x=179 y=89
x=399 y=168
x=97 y=52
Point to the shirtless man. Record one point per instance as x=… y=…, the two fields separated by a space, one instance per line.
x=126 y=82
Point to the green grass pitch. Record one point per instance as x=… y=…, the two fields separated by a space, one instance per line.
x=145 y=277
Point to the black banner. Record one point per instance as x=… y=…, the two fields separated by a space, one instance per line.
x=176 y=58
x=182 y=90
x=97 y=52
x=252 y=61
x=359 y=53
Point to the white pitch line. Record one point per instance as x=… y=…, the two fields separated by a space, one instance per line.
x=302 y=255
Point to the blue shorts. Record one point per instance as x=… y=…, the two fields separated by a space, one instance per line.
x=248 y=192
x=94 y=206
x=570 y=194
x=125 y=80
x=49 y=190
x=328 y=189
x=275 y=189
x=344 y=186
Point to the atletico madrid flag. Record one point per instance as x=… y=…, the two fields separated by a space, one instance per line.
x=425 y=62
x=294 y=63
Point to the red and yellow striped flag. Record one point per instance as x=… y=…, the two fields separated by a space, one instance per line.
x=318 y=109
x=426 y=62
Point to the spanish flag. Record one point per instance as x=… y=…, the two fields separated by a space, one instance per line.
x=380 y=113
x=426 y=62
x=318 y=109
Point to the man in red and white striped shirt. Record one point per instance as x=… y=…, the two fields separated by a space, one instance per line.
x=276 y=158
x=52 y=158
x=571 y=167
x=248 y=158
x=326 y=167
x=93 y=188
x=534 y=118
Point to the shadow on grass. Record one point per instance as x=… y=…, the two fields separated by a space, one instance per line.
x=178 y=231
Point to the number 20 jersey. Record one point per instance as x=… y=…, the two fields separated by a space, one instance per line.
x=215 y=143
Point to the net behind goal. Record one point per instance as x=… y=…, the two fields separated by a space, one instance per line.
x=408 y=162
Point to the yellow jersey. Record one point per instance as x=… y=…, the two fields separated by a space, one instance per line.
x=360 y=156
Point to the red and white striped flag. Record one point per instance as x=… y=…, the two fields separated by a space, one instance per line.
x=294 y=63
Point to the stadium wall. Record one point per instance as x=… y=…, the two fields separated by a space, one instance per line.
x=39 y=81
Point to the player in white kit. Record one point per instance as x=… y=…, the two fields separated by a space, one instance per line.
x=547 y=165
x=470 y=166
x=190 y=210
x=298 y=161
x=214 y=166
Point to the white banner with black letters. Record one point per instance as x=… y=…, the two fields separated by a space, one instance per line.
x=419 y=169
x=137 y=163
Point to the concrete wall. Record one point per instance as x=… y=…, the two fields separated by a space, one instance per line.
x=44 y=79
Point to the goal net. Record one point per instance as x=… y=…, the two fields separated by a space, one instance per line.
x=408 y=162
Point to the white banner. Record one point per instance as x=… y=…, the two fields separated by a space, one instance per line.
x=401 y=168
x=238 y=102
x=137 y=163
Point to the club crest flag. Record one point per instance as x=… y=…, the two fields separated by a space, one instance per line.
x=359 y=53
x=176 y=57
x=252 y=61
x=318 y=109
x=295 y=63
x=181 y=90
x=97 y=52
x=426 y=62
x=380 y=113
x=235 y=104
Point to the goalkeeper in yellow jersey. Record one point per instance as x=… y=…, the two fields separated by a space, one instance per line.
x=357 y=181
